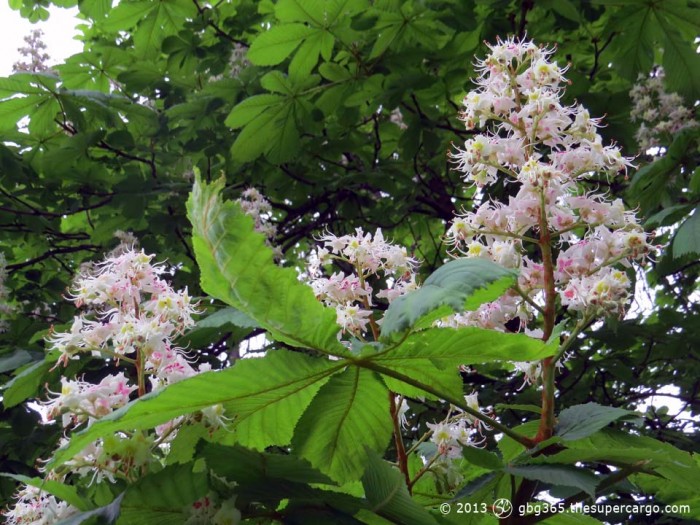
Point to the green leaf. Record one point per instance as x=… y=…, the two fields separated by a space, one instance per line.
x=106 y=515
x=445 y=379
x=334 y=72
x=67 y=493
x=349 y=413
x=14 y=360
x=579 y=421
x=477 y=484
x=618 y=448
x=681 y=64
x=26 y=383
x=271 y=47
x=227 y=316
x=127 y=14
x=268 y=393
x=459 y=285
x=163 y=497
x=482 y=458
x=649 y=184
x=634 y=47
x=468 y=345
x=14 y=109
x=250 y=108
x=238 y=268
x=306 y=57
x=386 y=491
x=557 y=475
x=240 y=464
x=432 y=357
x=687 y=238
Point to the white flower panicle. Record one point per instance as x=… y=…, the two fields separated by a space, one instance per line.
x=380 y=270
x=130 y=309
x=132 y=317
x=545 y=149
x=81 y=401
x=37 y=507
x=660 y=114
x=450 y=436
x=259 y=208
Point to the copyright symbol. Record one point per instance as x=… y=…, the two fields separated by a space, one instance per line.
x=445 y=508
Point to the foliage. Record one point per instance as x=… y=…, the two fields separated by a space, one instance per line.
x=325 y=107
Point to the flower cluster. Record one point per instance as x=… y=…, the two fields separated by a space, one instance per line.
x=131 y=318
x=34 y=53
x=258 y=207
x=450 y=436
x=660 y=114
x=374 y=263
x=36 y=507
x=132 y=314
x=545 y=149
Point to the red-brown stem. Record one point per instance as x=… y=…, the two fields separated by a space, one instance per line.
x=546 y=427
x=139 y=372
x=398 y=440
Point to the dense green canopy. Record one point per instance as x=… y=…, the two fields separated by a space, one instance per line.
x=342 y=113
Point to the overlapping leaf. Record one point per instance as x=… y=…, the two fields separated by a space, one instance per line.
x=238 y=268
x=272 y=392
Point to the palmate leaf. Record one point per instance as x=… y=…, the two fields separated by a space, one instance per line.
x=349 y=415
x=451 y=347
x=386 y=491
x=273 y=46
x=687 y=238
x=580 y=421
x=163 y=498
x=238 y=268
x=557 y=475
x=432 y=357
x=459 y=285
x=271 y=392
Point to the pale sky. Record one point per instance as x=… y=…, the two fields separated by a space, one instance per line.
x=58 y=35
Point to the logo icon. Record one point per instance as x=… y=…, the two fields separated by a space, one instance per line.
x=502 y=508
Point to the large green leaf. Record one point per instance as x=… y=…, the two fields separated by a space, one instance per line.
x=272 y=392
x=273 y=46
x=557 y=475
x=467 y=345
x=579 y=421
x=238 y=268
x=681 y=63
x=349 y=413
x=432 y=357
x=250 y=108
x=385 y=488
x=676 y=466
x=687 y=238
x=459 y=285
x=163 y=498
x=26 y=383
x=445 y=379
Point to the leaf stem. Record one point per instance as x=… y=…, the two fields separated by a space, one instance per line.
x=459 y=403
x=401 y=456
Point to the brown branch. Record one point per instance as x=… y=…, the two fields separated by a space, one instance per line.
x=51 y=253
x=217 y=29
